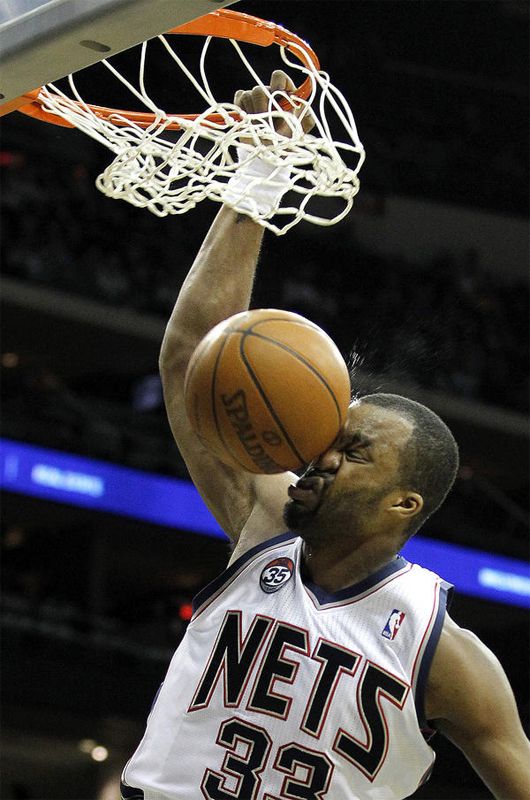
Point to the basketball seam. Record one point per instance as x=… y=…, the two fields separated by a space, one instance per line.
x=264 y=397
x=303 y=323
x=300 y=358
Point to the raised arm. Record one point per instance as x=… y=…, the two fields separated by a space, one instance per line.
x=469 y=696
x=218 y=285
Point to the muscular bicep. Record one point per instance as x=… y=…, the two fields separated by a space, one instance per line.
x=469 y=695
x=217 y=286
x=228 y=493
x=240 y=501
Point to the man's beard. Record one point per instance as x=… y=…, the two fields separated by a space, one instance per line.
x=297 y=517
x=346 y=513
x=317 y=522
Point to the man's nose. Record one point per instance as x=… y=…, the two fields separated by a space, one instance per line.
x=328 y=461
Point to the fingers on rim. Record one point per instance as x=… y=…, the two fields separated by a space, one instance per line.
x=308 y=122
x=243 y=99
x=280 y=81
x=256 y=100
x=260 y=100
x=258 y=93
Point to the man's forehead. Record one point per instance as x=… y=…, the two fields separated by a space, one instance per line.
x=370 y=421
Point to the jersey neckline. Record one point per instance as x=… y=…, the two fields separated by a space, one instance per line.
x=320 y=597
x=355 y=590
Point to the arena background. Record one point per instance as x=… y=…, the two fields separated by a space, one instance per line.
x=426 y=280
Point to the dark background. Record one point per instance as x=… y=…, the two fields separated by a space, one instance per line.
x=94 y=605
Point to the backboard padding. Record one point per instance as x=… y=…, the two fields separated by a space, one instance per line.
x=42 y=41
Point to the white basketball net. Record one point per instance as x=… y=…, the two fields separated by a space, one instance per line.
x=171 y=177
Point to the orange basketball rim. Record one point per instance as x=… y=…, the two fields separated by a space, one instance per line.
x=223 y=24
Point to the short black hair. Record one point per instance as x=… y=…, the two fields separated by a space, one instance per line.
x=429 y=461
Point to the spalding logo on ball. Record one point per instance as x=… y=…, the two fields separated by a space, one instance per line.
x=267 y=391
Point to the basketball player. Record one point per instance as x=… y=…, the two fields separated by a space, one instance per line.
x=318 y=664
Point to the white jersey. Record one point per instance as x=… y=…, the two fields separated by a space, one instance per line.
x=282 y=690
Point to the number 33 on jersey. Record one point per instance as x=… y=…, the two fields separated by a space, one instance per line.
x=280 y=690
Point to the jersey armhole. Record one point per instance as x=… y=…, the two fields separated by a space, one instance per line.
x=445 y=597
x=129 y=792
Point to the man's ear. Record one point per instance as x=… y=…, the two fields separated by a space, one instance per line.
x=406 y=504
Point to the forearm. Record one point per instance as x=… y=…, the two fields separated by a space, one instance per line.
x=218 y=285
x=502 y=760
x=504 y=767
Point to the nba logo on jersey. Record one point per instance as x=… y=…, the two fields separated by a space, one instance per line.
x=393 y=624
x=276 y=574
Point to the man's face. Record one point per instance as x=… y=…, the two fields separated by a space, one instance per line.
x=343 y=492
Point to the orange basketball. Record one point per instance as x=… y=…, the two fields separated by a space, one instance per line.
x=267 y=391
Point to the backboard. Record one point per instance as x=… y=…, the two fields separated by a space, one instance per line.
x=44 y=40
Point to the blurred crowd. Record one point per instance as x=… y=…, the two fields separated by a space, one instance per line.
x=448 y=122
